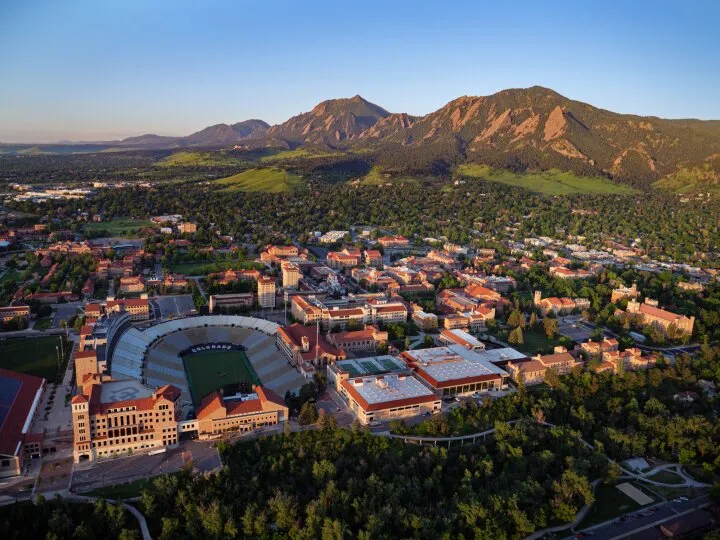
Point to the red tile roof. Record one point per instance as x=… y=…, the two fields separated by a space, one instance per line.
x=11 y=428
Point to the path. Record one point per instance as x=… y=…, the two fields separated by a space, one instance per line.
x=134 y=511
x=578 y=518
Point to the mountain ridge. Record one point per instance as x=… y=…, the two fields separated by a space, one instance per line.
x=521 y=129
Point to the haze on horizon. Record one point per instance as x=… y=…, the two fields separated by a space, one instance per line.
x=83 y=70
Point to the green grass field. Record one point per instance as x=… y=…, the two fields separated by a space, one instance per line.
x=43 y=323
x=552 y=182
x=201 y=159
x=269 y=180
x=10 y=275
x=209 y=370
x=198 y=268
x=690 y=181
x=376 y=178
x=666 y=477
x=535 y=339
x=296 y=154
x=609 y=502
x=34 y=356
x=119 y=226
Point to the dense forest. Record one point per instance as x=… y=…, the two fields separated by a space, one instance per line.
x=634 y=413
x=57 y=519
x=340 y=483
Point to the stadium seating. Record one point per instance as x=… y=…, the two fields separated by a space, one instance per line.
x=153 y=355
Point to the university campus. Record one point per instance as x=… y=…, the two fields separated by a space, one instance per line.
x=393 y=270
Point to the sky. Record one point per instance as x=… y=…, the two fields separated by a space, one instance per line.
x=99 y=70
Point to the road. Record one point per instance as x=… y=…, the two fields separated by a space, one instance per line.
x=634 y=525
x=673 y=350
x=93 y=475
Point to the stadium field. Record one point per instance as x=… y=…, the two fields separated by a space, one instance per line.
x=209 y=370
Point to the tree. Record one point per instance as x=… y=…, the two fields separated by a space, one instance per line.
x=516 y=319
x=533 y=320
x=551 y=327
x=308 y=414
x=516 y=337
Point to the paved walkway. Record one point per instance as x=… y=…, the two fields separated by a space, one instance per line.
x=134 y=511
x=578 y=518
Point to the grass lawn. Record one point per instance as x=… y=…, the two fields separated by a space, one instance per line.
x=376 y=178
x=297 y=153
x=666 y=477
x=609 y=503
x=534 y=339
x=268 y=179
x=188 y=159
x=197 y=268
x=209 y=370
x=690 y=181
x=121 y=491
x=119 y=226
x=10 y=275
x=34 y=356
x=552 y=182
x=43 y=323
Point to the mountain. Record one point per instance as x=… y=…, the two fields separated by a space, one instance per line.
x=330 y=122
x=219 y=134
x=225 y=134
x=537 y=128
x=522 y=129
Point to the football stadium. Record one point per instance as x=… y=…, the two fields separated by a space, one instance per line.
x=202 y=354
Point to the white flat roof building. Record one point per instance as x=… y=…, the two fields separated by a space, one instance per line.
x=455 y=370
x=460 y=337
x=388 y=396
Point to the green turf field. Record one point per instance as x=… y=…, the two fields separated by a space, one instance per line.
x=552 y=182
x=270 y=180
x=209 y=370
x=187 y=159
x=208 y=267
x=119 y=226
x=34 y=356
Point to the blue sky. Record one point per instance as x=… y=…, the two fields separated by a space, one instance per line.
x=93 y=69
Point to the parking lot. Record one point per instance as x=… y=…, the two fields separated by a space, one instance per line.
x=165 y=307
x=92 y=475
x=64 y=312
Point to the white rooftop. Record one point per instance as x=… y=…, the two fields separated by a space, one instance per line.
x=502 y=355
x=454 y=362
x=466 y=337
x=388 y=388
x=121 y=390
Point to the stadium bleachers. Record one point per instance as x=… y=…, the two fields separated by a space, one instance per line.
x=152 y=355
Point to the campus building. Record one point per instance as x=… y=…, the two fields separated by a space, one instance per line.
x=19 y=398
x=217 y=302
x=624 y=292
x=460 y=337
x=381 y=388
x=266 y=292
x=138 y=308
x=290 y=275
x=455 y=370
x=651 y=314
x=305 y=345
x=122 y=416
x=533 y=371
x=218 y=415
x=13 y=312
x=86 y=363
x=366 y=340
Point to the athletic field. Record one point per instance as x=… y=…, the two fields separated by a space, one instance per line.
x=34 y=356
x=209 y=370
